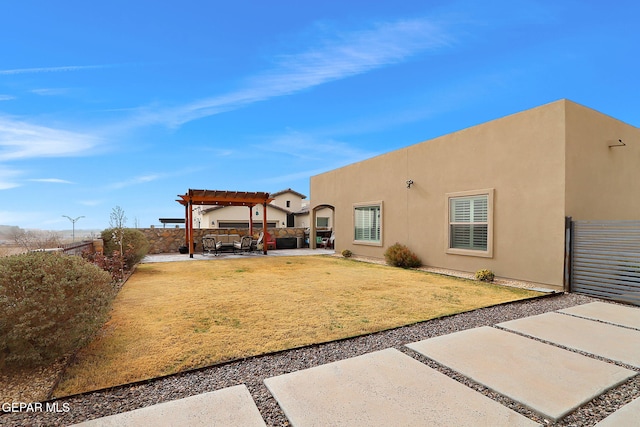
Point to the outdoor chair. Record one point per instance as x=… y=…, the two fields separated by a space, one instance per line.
x=257 y=245
x=271 y=241
x=209 y=244
x=328 y=242
x=244 y=245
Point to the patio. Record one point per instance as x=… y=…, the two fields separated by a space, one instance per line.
x=229 y=255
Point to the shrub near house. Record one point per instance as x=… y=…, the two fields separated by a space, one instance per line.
x=400 y=256
x=50 y=305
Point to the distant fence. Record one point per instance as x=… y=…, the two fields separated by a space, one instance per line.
x=77 y=248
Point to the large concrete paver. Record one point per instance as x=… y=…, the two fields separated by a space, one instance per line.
x=384 y=388
x=546 y=379
x=627 y=416
x=608 y=341
x=622 y=315
x=228 y=407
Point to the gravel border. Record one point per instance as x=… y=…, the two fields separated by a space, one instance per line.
x=252 y=372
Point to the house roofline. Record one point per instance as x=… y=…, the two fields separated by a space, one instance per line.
x=288 y=190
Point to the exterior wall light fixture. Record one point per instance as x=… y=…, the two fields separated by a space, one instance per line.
x=409 y=183
x=617 y=144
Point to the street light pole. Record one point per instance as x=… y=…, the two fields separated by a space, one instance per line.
x=73 y=222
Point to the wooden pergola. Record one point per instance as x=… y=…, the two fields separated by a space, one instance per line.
x=222 y=198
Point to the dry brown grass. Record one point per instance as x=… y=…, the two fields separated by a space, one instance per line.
x=170 y=317
x=6 y=250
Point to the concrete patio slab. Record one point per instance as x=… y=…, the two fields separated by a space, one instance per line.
x=384 y=388
x=627 y=416
x=228 y=407
x=609 y=341
x=623 y=315
x=199 y=256
x=547 y=379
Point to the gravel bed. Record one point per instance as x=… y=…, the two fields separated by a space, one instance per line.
x=253 y=371
x=462 y=274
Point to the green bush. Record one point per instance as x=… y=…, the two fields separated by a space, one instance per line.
x=347 y=253
x=134 y=244
x=485 y=275
x=50 y=305
x=400 y=256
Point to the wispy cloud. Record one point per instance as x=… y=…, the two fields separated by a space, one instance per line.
x=302 y=149
x=291 y=177
x=335 y=57
x=219 y=152
x=312 y=147
x=91 y=202
x=50 y=91
x=6 y=97
x=65 y=68
x=51 y=180
x=7 y=178
x=142 y=179
x=22 y=140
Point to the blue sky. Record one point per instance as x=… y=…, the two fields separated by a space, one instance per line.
x=130 y=103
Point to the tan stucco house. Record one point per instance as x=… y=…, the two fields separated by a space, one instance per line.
x=491 y=196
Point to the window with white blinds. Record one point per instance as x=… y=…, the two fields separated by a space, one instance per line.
x=367 y=224
x=469 y=223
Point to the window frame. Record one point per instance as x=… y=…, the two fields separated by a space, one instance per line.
x=323 y=218
x=376 y=204
x=488 y=253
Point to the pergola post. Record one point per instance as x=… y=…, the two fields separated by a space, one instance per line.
x=264 y=228
x=312 y=229
x=190 y=222
x=251 y=221
x=186 y=223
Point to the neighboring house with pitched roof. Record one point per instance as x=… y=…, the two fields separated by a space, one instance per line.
x=289 y=208
x=491 y=196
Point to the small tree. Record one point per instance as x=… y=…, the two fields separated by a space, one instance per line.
x=128 y=243
x=117 y=218
x=117 y=221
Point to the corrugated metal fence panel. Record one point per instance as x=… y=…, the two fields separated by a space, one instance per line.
x=606 y=259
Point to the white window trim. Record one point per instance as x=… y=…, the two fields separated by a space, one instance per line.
x=323 y=226
x=353 y=223
x=489 y=192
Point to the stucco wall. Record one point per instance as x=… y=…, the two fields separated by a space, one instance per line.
x=520 y=157
x=602 y=183
x=295 y=201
